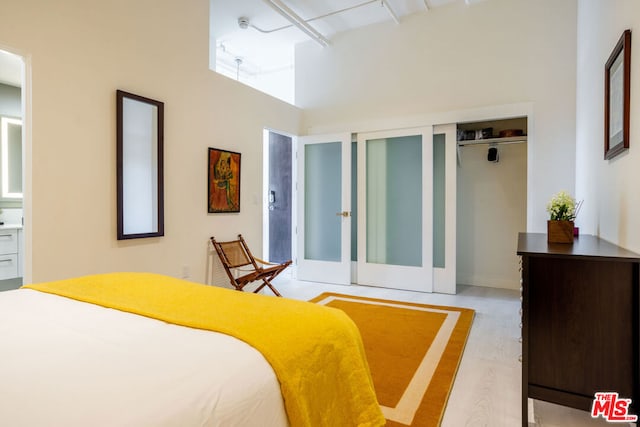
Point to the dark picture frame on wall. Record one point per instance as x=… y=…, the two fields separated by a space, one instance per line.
x=617 y=95
x=224 y=181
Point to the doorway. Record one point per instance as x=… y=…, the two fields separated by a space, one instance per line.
x=12 y=173
x=279 y=196
x=492 y=201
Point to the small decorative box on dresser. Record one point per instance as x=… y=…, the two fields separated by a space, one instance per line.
x=580 y=321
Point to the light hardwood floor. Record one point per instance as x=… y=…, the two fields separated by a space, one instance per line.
x=487 y=388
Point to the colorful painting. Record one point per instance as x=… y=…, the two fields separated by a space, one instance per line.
x=224 y=181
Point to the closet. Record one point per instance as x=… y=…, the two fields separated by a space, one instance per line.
x=387 y=205
x=491 y=200
x=420 y=209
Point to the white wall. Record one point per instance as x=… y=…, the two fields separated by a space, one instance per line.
x=492 y=200
x=609 y=187
x=501 y=58
x=80 y=52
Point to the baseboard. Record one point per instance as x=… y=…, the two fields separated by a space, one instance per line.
x=488 y=282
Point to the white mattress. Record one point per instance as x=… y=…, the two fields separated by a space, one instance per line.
x=69 y=363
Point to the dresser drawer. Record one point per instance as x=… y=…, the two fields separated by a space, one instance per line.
x=8 y=241
x=8 y=266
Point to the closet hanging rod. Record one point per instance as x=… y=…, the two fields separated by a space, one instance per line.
x=494 y=141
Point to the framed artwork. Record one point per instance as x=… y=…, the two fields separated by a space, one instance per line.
x=139 y=166
x=617 y=80
x=224 y=181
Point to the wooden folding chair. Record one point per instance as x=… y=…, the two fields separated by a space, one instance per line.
x=235 y=254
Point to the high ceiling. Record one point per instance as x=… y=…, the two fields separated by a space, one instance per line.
x=272 y=48
x=268 y=51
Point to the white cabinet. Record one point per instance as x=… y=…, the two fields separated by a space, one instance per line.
x=9 y=250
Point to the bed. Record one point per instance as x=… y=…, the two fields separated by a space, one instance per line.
x=136 y=349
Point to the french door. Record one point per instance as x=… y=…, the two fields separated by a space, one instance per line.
x=404 y=236
x=395 y=209
x=324 y=208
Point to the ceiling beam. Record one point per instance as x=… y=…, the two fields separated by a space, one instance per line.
x=387 y=6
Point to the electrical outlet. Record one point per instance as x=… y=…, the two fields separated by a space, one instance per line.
x=186 y=272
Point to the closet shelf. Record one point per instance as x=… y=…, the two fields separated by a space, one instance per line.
x=506 y=140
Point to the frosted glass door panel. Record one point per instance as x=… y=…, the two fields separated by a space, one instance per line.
x=322 y=201
x=394 y=201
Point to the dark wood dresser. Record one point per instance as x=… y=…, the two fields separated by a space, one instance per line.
x=580 y=321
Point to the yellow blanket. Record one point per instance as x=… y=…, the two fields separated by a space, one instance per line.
x=316 y=352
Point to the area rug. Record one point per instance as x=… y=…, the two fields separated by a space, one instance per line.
x=413 y=352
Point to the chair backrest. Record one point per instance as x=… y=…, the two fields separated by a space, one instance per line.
x=233 y=253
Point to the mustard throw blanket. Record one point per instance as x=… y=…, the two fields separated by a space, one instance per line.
x=316 y=352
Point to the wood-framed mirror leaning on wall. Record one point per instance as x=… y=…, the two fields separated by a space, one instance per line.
x=617 y=98
x=140 y=164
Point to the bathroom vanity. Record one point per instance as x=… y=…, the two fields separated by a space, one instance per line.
x=10 y=249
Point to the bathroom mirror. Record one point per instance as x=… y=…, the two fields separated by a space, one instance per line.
x=11 y=152
x=139 y=166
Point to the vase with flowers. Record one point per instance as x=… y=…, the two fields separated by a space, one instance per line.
x=562 y=209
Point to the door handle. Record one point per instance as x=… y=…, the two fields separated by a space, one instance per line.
x=344 y=214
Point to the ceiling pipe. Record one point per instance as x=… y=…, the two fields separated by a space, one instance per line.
x=296 y=20
x=426 y=5
x=284 y=27
x=387 y=6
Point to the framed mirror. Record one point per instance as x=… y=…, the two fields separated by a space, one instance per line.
x=140 y=123
x=11 y=153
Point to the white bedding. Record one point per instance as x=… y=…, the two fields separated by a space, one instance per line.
x=69 y=363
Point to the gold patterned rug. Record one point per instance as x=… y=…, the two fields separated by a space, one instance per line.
x=413 y=352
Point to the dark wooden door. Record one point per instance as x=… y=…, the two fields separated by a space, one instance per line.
x=279 y=197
